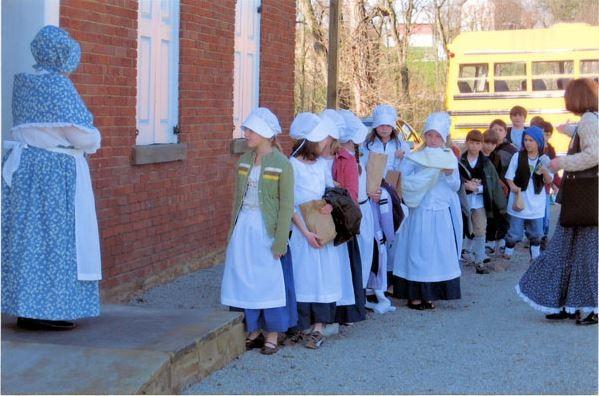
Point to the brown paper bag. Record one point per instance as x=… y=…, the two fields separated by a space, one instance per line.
x=375 y=169
x=318 y=223
x=518 y=204
x=394 y=179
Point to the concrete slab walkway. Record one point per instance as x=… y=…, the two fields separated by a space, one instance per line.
x=127 y=350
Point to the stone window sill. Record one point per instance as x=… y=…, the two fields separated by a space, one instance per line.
x=158 y=153
x=239 y=146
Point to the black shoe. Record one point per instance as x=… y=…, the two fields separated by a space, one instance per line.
x=589 y=320
x=481 y=269
x=372 y=298
x=43 y=324
x=419 y=307
x=543 y=243
x=562 y=315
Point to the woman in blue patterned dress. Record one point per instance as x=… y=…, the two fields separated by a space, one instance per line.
x=51 y=263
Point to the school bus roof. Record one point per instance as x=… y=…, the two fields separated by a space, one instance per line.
x=560 y=37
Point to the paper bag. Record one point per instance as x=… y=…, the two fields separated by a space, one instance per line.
x=318 y=223
x=375 y=168
x=394 y=179
x=518 y=204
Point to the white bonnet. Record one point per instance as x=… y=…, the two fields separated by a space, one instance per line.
x=336 y=119
x=263 y=122
x=440 y=122
x=354 y=130
x=384 y=114
x=311 y=127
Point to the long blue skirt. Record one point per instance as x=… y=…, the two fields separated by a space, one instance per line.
x=39 y=260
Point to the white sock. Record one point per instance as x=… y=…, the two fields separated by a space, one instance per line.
x=509 y=251
x=467 y=245
x=490 y=244
x=501 y=243
x=535 y=251
x=479 y=249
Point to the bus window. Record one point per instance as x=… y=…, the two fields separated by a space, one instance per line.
x=551 y=75
x=508 y=76
x=473 y=78
x=589 y=66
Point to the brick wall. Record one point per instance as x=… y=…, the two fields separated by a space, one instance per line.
x=159 y=221
x=277 y=72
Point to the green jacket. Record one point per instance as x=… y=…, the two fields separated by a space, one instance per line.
x=275 y=190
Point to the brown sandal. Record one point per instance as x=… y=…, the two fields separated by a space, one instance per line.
x=257 y=342
x=269 y=348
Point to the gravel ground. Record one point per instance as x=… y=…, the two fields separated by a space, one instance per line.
x=489 y=342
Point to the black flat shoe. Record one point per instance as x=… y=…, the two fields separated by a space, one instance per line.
x=43 y=324
x=589 y=320
x=427 y=305
x=562 y=315
x=418 y=307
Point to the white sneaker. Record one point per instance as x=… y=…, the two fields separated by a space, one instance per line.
x=330 y=329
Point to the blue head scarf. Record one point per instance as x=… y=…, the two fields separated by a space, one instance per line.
x=537 y=134
x=49 y=98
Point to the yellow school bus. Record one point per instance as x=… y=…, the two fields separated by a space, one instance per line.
x=490 y=72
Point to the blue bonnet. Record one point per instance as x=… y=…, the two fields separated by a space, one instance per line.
x=55 y=51
x=49 y=98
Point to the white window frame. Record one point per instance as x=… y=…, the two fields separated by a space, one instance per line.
x=246 y=80
x=153 y=124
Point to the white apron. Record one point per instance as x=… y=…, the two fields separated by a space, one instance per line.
x=87 y=238
x=316 y=272
x=429 y=240
x=253 y=278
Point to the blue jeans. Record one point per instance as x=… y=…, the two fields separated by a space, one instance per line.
x=518 y=226
x=546 y=219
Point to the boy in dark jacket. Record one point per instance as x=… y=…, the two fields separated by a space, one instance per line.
x=483 y=192
x=500 y=157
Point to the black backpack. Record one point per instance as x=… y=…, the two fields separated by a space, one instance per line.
x=346 y=213
x=398 y=215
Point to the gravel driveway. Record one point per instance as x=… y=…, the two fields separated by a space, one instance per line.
x=489 y=342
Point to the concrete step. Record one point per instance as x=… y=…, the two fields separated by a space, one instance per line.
x=127 y=350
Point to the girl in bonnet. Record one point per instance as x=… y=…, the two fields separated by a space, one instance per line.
x=258 y=276
x=426 y=265
x=50 y=246
x=317 y=268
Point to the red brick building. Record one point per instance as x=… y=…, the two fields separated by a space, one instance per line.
x=160 y=219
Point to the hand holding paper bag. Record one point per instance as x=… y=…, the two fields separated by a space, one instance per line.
x=317 y=222
x=376 y=171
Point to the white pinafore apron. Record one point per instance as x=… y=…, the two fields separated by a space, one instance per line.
x=253 y=278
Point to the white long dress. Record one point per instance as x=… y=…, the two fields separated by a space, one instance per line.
x=253 y=278
x=366 y=236
x=389 y=148
x=316 y=272
x=427 y=242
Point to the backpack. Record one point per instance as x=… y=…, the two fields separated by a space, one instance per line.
x=398 y=214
